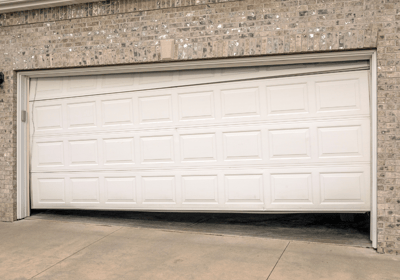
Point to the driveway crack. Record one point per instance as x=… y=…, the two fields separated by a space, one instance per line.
x=278 y=260
x=76 y=252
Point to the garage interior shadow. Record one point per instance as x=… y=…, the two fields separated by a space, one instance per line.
x=310 y=227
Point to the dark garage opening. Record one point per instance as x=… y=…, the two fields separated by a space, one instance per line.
x=334 y=228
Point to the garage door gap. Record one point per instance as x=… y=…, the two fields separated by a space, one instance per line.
x=199 y=222
x=98 y=240
x=191 y=231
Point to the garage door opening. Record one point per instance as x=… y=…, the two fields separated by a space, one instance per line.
x=260 y=139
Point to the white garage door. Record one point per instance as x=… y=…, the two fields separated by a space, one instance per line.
x=202 y=140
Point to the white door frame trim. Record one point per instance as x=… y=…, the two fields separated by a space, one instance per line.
x=23 y=78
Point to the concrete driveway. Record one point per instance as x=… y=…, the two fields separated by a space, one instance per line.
x=65 y=249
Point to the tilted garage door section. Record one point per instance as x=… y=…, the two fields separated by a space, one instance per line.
x=298 y=143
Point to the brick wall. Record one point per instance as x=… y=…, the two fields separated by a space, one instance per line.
x=125 y=31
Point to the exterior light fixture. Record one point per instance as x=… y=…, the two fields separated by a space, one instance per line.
x=1 y=78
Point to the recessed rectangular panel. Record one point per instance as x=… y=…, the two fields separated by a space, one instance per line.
x=291 y=188
x=157 y=149
x=49 y=85
x=118 y=151
x=240 y=102
x=51 y=190
x=85 y=189
x=155 y=108
x=158 y=189
x=342 y=187
x=239 y=70
x=198 y=147
x=340 y=141
x=244 y=189
x=117 y=80
x=288 y=99
x=289 y=143
x=199 y=105
x=82 y=114
x=120 y=189
x=48 y=117
x=200 y=189
x=155 y=77
x=242 y=145
x=50 y=153
x=83 y=152
x=196 y=74
x=338 y=95
x=82 y=83
x=117 y=112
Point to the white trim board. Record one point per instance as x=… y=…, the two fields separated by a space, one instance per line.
x=23 y=90
x=207 y=64
x=374 y=151
x=7 y=6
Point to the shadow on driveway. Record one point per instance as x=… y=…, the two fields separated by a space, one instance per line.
x=326 y=228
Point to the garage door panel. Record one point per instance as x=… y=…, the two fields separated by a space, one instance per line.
x=117 y=112
x=338 y=95
x=51 y=190
x=119 y=150
x=83 y=152
x=158 y=189
x=288 y=144
x=155 y=77
x=341 y=141
x=198 y=147
x=49 y=153
x=309 y=143
x=292 y=188
x=156 y=149
x=78 y=84
x=84 y=190
x=244 y=189
x=242 y=145
x=49 y=86
x=240 y=102
x=336 y=188
x=112 y=83
x=288 y=99
x=117 y=81
x=197 y=74
x=47 y=117
x=155 y=109
x=199 y=189
x=226 y=104
x=342 y=187
x=82 y=115
x=329 y=187
x=343 y=95
x=196 y=105
x=344 y=141
x=120 y=189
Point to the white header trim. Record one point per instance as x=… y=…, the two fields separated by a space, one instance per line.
x=204 y=64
